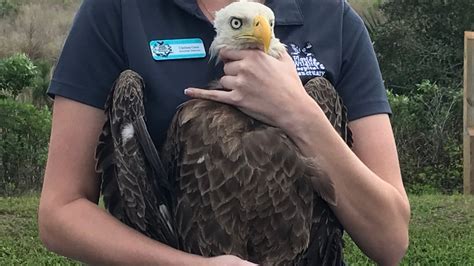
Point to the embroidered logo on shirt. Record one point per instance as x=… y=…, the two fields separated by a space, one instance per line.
x=306 y=63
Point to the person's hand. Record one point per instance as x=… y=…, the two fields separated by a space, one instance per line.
x=228 y=260
x=264 y=87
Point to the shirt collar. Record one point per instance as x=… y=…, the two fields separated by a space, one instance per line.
x=287 y=12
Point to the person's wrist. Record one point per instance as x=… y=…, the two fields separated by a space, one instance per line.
x=303 y=115
x=198 y=261
x=191 y=259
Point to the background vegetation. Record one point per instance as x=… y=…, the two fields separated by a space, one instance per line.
x=31 y=35
x=439 y=233
x=35 y=27
x=23 y=146
x=419 y=45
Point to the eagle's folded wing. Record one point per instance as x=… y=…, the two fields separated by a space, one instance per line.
x=134 y=185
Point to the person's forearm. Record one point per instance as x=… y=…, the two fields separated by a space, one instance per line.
x=374 y=213
x=83 y=231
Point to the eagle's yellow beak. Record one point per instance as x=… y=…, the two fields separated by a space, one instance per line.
x=262 y=31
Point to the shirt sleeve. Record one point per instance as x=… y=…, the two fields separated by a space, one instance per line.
x=92 y=56
x=360 y=82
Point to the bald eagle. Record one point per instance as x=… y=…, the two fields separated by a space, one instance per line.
x=223 y=183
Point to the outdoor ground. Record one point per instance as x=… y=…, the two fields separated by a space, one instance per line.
x=441 y=233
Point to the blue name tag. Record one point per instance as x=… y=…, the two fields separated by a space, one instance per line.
x=177 y=49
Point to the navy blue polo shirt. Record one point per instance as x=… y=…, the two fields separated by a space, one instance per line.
x=324 y=37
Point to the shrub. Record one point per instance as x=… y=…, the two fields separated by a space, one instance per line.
x=427 y=127
x=24 y=135
x=16 y=73
x=422 y=40
x=40 y=84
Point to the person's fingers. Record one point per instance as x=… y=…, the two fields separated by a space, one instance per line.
x=213 y=95
x=231 y=55
x=236 y=55
x=230 y=82
x=231 y=68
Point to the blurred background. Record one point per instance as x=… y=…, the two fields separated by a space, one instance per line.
x=419 y=45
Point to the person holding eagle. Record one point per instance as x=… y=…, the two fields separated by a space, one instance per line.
x=265 y=166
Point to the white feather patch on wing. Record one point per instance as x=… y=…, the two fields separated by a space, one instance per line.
x=127 y=133
x=201 y=159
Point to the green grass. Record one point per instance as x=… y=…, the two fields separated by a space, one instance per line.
x=19 y=241
x=441 y=233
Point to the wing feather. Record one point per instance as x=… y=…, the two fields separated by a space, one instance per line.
x=134 y=185
x=242 y=187
x=326 y=244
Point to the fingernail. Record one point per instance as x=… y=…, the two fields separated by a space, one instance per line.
x=187 y=91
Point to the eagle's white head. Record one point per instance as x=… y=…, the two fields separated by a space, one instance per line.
x=246 y=25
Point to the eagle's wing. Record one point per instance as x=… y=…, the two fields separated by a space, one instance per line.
x=283 y=198
x=326 y=244
x=134 y=185
x=205 y=197
x=241 y=185
x=323 y=92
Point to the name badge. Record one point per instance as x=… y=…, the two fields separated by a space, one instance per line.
x=177 y=49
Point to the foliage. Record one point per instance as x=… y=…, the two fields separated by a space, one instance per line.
x=440 y=232
x=422 y=40
x=427 y=127
x=24 y=80
x=7 y=8
x=419 y=40
x=24 y=136
x=40 y=84
x=16 y=73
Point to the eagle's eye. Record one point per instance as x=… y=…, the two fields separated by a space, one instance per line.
x=236 y=23
x=271 y=23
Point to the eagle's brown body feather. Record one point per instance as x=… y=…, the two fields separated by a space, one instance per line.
x=233 y=185
x=243 y=187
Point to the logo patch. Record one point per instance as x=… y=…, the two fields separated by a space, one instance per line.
x=306 y=63
x=177 y=49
